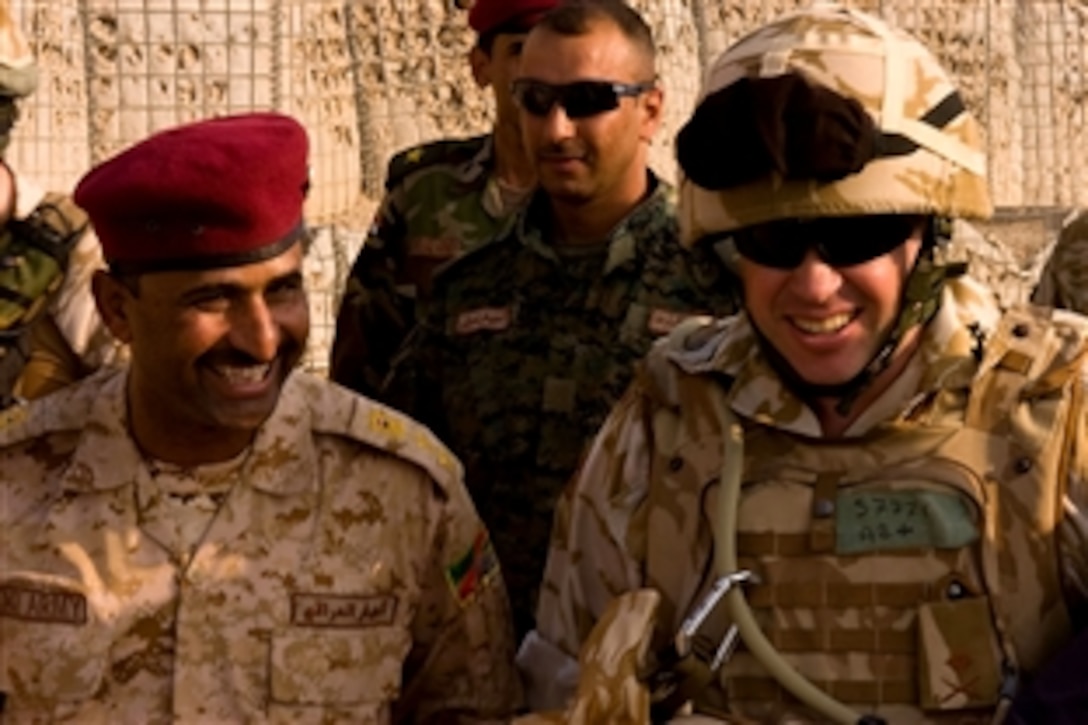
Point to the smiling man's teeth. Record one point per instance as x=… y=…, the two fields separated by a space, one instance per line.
x=827 y=324
x=247 y=374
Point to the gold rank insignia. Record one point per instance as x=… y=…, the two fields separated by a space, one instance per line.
x=11 y=416
x=414 y=155
x=382 y=422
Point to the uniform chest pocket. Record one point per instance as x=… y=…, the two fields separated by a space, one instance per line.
x=53 y=652
x=358 y=669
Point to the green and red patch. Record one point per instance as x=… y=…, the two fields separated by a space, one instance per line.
x=474 y=570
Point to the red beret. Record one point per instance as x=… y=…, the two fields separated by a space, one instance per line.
x=214 y=193
x=488 y=15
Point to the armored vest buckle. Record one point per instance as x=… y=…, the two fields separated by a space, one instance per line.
x=691 y=663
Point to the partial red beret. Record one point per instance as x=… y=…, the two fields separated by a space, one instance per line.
x=214 y=193
x=488 y=15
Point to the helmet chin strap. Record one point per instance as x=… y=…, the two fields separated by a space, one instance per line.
x=918 y=304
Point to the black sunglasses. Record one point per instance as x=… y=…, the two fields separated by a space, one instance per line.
x=838 y=241
x=580 y=99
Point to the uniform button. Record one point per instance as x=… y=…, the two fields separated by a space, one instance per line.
x=1022 y=465
x=955 y=590
x=822 y=508
x=1020 y=330
x=676 y=463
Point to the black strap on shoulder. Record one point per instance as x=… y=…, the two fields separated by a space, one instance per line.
x=54 y=227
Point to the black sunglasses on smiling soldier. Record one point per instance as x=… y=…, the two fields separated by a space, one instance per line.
x=838 y=241
x=580 y=99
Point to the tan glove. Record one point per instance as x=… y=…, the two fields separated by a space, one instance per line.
x=612 y=662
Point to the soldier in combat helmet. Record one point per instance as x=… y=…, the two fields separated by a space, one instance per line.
x=442 y=199
x=873 y=478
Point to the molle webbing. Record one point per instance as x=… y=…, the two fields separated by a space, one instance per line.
x=781 y=544
x=834 y=639
x=886 y=690
x=843 y=594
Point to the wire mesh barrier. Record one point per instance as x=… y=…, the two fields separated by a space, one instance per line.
x=369 y=77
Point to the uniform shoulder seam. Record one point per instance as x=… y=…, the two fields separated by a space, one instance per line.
x=433 y=153
x=344 y=413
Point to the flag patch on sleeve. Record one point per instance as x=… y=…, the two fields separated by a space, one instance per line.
x=474 y=569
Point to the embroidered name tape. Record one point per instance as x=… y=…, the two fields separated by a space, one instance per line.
x=339 y=611
x=494 y=319
x=34 y=604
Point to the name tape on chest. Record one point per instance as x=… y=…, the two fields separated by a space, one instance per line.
x=32 y=604
x=338 y=611
x=492 y=319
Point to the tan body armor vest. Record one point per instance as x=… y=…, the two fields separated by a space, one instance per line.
x=910 y=573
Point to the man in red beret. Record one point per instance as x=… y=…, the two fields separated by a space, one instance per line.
x=209 y=535
x=442 y=198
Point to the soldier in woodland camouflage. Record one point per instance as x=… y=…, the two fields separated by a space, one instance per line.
x=531 y=339
x=863 y=499
x=1064 y=280
x=50 y=332
x=208 y=535
x=442 y=198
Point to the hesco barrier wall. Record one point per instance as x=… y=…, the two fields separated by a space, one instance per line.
x=369 y=77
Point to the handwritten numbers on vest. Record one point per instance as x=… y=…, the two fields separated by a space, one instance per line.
x=873 y=520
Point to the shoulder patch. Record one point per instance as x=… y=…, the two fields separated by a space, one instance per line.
x=474 y=568
x=447 y=151
x=12 y=415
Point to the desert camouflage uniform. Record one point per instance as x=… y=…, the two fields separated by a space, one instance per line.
x=336 y=572
x=1064 y=281
x=442 y=199
x=527 y=347
x=873 y=600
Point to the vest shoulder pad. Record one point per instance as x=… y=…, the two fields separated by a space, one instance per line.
x=1044 y=347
